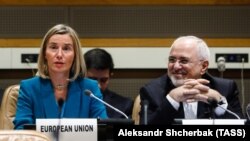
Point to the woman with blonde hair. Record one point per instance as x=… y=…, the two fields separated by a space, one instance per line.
x=58 y=89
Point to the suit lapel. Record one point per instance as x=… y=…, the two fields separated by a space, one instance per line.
x=203 y=110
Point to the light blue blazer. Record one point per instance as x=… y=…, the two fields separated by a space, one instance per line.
x=37 y=100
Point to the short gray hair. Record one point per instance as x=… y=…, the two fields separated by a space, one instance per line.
x=202 y=47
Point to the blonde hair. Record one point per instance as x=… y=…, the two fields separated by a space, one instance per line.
x=78 y=68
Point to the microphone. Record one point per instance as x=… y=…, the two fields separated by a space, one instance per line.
x=89 y=93
x=242 y=84
x=60 y=105
x=29 y=64
x=145 y=104
x=213 y=103
x=221 y=64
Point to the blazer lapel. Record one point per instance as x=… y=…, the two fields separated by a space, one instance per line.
x=73 y=100
x=49 y=102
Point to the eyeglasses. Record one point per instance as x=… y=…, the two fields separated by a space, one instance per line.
x=102 y=79
x=181 y=61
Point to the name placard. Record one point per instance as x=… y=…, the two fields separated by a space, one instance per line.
x=68 y=129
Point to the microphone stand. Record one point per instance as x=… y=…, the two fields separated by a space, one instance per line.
x=145 y=104
x=211 y=111
x=221 y=74
x=89 y=93
x=60 y=105
x=229 y=111
x=212 y=105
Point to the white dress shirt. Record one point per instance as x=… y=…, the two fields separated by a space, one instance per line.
x=190 y=109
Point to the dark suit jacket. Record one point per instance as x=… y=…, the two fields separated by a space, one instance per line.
x=120 y=102
x=36 y=99
x=160 y=111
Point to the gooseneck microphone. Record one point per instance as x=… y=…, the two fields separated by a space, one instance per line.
x=60 y=106
x=145 y=104
x=89 y=93
x=213 y=103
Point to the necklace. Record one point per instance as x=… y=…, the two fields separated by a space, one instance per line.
x=60 y=86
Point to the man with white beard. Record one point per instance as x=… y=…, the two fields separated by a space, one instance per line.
x=187 y=88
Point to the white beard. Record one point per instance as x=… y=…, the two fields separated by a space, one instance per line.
x=176 y=82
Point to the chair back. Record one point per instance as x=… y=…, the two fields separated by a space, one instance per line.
x=22 y=135
x=136 y=110
x=8 y=107
x=248 y=111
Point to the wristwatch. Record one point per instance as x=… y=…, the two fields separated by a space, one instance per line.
x=222 y=100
